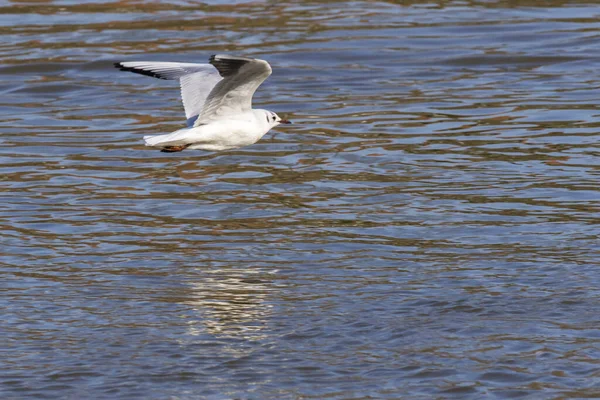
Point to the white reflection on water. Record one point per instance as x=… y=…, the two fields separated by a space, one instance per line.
x=231 y=303
x=428 y=228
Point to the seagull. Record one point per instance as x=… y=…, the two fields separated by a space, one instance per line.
x=217 y=98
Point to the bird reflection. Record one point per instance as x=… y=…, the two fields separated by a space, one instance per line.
x=230 y=304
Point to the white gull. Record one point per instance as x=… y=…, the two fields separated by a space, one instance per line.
x=217 y=98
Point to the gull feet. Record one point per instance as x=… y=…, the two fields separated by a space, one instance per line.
x=174 y=149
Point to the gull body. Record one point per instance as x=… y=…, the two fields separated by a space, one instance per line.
x=236 y=131
x=217 y=98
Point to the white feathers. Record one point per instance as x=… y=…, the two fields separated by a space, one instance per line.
x=217 y=98
x=196 y=80
x=233 y=95
x=210 y=91
x=195 y=88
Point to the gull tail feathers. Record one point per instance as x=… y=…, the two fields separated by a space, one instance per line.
x=165 y=140
x=155 y=141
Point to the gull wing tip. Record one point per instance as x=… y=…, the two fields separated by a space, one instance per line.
x=230 y=65
x=137 y=68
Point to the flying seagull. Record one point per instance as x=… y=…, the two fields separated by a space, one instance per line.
x=217 y=98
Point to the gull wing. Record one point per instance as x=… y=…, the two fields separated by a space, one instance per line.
x=233 y=94
x=197 y=81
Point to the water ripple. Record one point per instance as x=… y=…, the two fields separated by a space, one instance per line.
x=428 y=227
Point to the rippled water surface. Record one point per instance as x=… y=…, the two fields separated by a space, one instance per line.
x=428 y=227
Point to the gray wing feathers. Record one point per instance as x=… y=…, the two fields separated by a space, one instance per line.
x=209 y=91
x=233 y=94
x=163 y=70
x=196 y=80
x=229 y=65
x=195 y=88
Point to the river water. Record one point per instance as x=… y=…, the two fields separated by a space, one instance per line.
x=427 y=227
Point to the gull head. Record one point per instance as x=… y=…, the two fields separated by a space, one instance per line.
x=273 y=119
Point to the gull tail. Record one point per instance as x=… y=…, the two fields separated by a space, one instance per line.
x=175 y=139
x=165 y=145
x=155 y=141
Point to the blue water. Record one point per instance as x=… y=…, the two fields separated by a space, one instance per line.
x=427 y=228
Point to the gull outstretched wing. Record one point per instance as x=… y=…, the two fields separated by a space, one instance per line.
x=233 y=94
x=197 y=81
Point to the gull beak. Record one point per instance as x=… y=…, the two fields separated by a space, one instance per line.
x=285 y=121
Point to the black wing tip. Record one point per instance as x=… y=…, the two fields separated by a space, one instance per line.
x=228 y=65
x=138 y=71
x=229 y=58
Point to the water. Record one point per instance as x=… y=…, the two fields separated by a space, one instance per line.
x=428 y=227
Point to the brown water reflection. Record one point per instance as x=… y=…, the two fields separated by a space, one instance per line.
x=428 y=227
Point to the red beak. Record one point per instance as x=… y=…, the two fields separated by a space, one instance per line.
x=285 y=121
